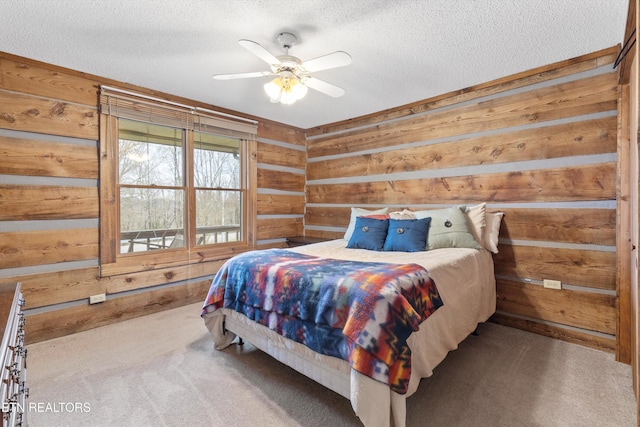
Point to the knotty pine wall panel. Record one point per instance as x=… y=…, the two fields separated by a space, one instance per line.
x=49 y=208
x=282 y=161
x=595 y=136
x=582 y=97
x=33 y=202
x=540 y=146
x=20 y=156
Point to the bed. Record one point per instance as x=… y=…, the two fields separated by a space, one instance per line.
x=465 y=281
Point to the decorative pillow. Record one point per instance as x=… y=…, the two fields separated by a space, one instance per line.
x=369 y=233
x=376 y=216
x=405 y=214
x=407 y=235
x=449 y=229
x=356 y=212
x=477 y=221
x=493 y=231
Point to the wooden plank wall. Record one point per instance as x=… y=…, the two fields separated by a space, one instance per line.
x=539 y=146
x=49 y=206
x=281 y=180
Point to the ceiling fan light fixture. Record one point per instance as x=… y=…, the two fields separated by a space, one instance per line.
x=292 y=76
x=285 y=89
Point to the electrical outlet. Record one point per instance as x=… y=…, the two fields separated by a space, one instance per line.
x=552 y=284
x=95 y=299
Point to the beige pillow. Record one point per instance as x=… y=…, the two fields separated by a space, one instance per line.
x=492 y=232
x=477 y=221
x=449 y=228
x=405 y=214
x=355 y=213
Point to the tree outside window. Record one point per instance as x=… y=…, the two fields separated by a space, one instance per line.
x=172 y=181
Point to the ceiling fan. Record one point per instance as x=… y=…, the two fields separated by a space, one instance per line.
x=293 y=75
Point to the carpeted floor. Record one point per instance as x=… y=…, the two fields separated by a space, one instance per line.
x=162 y=370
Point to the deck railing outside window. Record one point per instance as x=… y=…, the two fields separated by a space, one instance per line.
x=146 y=240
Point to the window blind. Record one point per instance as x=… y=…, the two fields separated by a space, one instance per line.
x=128 y=105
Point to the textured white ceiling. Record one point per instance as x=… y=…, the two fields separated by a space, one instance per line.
x=403 y=50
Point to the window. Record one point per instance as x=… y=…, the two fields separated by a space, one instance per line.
x=173 y=182
x=218 y=189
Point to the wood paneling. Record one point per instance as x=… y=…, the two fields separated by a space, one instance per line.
x=593 y=269
x=282 y=133
x=588 y=182
x=581 y=226
x=533 y=154
x=62 y=104
x=625 y=243
x=57 y=287
x=594 y=312
x=523 y=79
x=280 y=180
x=599 y=342
x=584 y=96
x=25 y=202
x=591 y=137
x=282 y=156
x=27 y=248
x=626 y=73
x=275 y=228
x=273 y=204
x=49 y=116
x=584 y=226
x=48 y=325
x=42 y=158
x=19 y=76
x=537 y=238
x=165 y=276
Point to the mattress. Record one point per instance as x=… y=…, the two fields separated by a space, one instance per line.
x=466 y=283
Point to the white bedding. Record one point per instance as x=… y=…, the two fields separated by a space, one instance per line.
x=466 y=283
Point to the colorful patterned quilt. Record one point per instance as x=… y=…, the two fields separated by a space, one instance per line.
x=358 y=311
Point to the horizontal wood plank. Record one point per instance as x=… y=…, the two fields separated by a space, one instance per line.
x=593 y=269
x=58 y=287
x=584 y=226
x=18 y=76
x=275 y=228
x=324 y=234
x=588 y=182
x=281 y=156
x=570 y=139
x=529 y=77
x=25 y=202
x=272 y=245
x=584 y=96
x=27 y=248
x=66 y=286
x=278 y=180
x=586 y=339
x=566 y=225
x=274 y=204
x=283 y=133
x=43 y=158
x=585 y=310
x=49 y=116
x=65 y=321
x=163 y=276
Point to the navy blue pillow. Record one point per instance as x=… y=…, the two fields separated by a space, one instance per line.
x=407 y=235
x=369 y=233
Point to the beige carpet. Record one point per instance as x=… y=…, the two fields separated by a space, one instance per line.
x=162 y=370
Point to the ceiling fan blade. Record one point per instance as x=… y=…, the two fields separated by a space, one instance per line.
x=242 y=75
x=331 y=60
x=324 y=87
x=259 y=51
